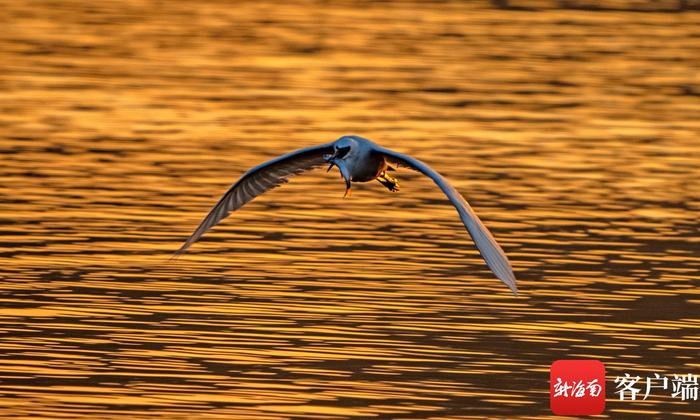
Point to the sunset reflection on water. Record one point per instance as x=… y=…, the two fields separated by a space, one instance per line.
x=574 y=134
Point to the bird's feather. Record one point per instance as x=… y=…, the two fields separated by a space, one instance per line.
x=258 y=180
x=488 y=247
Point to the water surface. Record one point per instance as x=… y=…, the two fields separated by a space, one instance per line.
x=574 y=134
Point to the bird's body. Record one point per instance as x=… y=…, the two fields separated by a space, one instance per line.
x=358 y=160
x=363 y=165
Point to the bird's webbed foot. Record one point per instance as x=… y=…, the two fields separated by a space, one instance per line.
x=388 y=181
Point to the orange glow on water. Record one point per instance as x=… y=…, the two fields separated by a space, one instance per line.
x=574 y=134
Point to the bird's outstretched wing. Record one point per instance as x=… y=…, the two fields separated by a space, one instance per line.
x=256 y=181
x=488 y=247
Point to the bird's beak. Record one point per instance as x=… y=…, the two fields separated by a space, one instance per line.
x=344 y=173
x=330 y=158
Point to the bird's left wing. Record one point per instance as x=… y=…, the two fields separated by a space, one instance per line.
x=258 y=180
x=488 y=247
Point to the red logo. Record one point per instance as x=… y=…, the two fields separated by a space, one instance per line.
x=577 y=387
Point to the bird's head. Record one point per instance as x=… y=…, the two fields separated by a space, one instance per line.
x=342 y=148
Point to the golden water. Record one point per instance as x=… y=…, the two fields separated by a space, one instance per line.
x=574 y=134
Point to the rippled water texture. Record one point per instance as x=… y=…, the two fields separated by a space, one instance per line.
x=574 y=134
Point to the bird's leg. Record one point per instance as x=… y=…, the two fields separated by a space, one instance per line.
x=388 y=181
x=348 y=192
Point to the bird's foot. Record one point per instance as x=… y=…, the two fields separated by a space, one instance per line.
x=389 y=182
x=348 y=192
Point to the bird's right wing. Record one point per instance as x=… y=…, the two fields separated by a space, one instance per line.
x=258 y=180
x=488 y=247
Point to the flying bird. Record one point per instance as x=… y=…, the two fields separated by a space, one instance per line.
x=359 y=160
